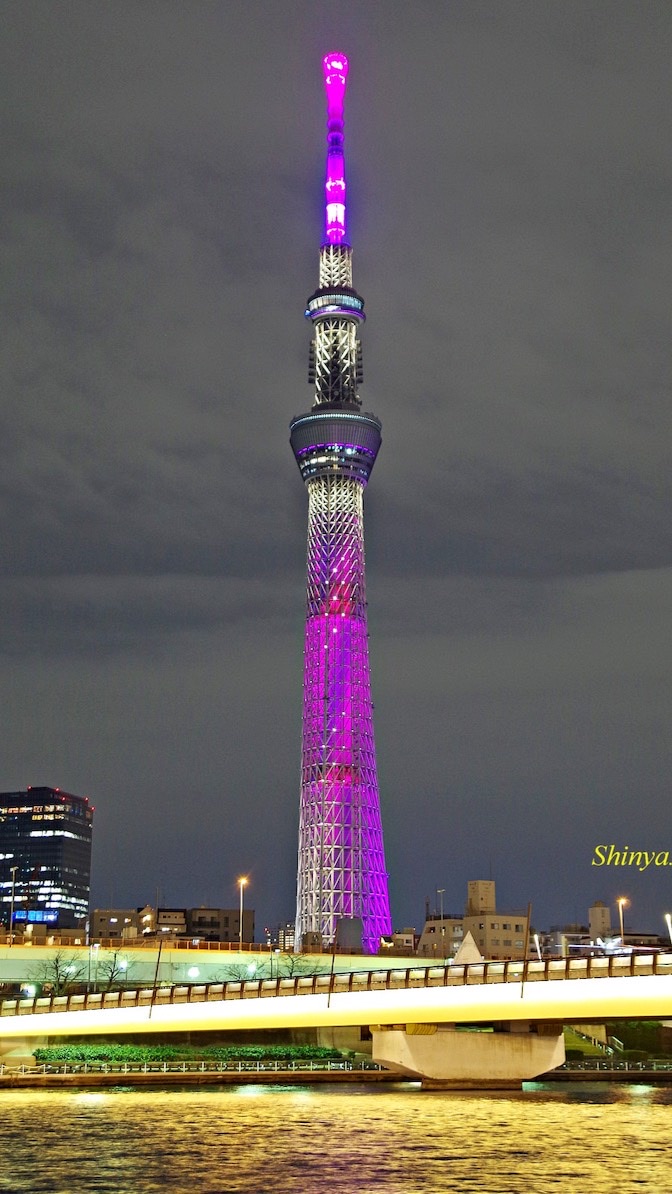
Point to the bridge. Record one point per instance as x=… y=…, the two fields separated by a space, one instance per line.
x=429 y=1022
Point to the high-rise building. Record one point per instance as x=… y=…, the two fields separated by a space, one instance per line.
x=342 y=879
x=45 y=858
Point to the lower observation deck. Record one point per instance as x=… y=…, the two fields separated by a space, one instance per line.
x=334 y=438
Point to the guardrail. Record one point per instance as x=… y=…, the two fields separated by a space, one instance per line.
x=476 y=974
x=193 y=1067
x=167 y=941
x=612 y=1065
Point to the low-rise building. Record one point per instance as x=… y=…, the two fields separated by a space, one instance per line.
x=497 y=935
x=441 y=936
x=204 y=924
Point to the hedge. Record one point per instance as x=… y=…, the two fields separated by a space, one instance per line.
x=139 y=1054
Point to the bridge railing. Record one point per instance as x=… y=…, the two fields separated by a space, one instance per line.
x=474 y=974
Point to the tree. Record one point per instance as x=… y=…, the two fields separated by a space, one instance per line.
x=57 y=973
x=112 y=971
x=295 y=966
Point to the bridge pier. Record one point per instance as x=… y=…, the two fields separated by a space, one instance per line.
x=444 y=1056
x=18 y=1050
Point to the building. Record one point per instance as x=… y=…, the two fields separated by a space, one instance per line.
x=480 y=896
x=342 y=888
x=123 y=923
x=220 y=924
x=45 y=858
x=497 y=935
x=401 y=943
x=204 y=924
x=282 y=936
x=441 y=936
x=597 y=937
x=599 y=921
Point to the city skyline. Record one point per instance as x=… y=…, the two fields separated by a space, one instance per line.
x=512 y=224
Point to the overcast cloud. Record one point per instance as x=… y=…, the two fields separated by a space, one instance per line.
x=510 y=200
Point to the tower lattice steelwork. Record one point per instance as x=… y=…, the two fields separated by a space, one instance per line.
x=341 y=872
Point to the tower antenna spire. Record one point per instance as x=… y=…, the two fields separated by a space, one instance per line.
x=341 y=869
x=335 y=308
x=335 y=68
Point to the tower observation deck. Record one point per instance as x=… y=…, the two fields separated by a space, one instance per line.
x=341 y=865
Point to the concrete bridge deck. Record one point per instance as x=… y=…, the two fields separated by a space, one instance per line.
x=556 y=991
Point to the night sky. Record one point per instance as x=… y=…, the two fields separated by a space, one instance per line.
x=510 y=206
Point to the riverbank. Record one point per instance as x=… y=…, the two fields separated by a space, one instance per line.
x=645 y=1077
x=39 y=1079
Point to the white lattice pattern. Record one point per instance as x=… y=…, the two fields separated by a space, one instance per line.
x=335 y=361
x=335 y=266
x=341 y=860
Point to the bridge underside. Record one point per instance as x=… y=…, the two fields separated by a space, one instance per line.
x=420 y=1030
x=448 y=1057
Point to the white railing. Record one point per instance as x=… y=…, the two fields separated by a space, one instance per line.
x=475 y=974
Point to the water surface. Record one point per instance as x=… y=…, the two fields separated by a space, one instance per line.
x=350 y=1139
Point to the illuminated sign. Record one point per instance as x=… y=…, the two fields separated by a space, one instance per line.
x=41 y=916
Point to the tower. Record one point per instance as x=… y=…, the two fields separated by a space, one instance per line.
x=341 y=870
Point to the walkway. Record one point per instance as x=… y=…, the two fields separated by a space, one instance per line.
x=566 y=990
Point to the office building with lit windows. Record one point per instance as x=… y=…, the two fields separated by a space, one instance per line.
x=45 y=858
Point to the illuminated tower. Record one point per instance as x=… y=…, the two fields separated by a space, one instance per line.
x=341 y=872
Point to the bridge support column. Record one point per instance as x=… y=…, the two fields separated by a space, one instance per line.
x=18 y=1050
x=462 y=1059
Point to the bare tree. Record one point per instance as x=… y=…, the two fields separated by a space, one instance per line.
x=58 y=973
x=112 y=971
x=296 y=966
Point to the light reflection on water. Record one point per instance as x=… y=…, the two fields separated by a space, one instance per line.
x=353 y=1139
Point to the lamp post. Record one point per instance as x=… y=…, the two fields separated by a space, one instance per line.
x=622 y=903
x=440 y=891
x=96 y=947
x=13 y=870
x=242 y=883
x=668 y=920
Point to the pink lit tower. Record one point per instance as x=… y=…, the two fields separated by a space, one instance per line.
x=341 y=873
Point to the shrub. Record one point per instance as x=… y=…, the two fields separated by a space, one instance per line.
x=120 y=1054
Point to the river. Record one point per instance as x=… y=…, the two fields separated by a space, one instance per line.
x=601 y=1139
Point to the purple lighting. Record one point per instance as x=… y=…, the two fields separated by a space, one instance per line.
x=335 y=67
x=342 y=885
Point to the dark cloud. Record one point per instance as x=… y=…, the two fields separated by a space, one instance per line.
x=510 y=197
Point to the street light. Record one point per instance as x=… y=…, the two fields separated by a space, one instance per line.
x=440 y=891
x=94 y=948
x=668 y=919
x=13 y=870
x=242 y=883
x=622 y=903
